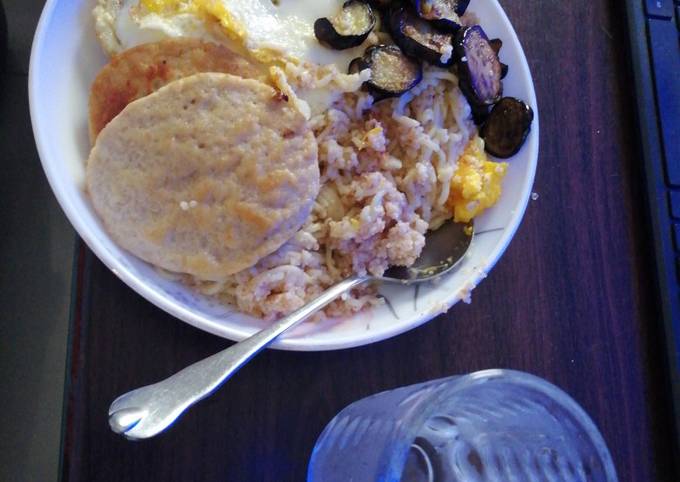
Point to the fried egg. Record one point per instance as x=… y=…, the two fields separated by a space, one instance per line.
x=267 y=29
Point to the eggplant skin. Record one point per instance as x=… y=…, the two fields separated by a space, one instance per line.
x=382 y=4
x=327 y=33
x=504 y=70
x=479 y=70
x=356 y=66
x=442 y=14
x=507 y=127
x=496 y=45
x=479 y=113
x=392 y=72
x=419 y=39
x=462 y=6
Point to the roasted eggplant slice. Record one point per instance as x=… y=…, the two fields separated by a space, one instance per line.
x=348 y=28
x=444 y=14
x=419 y=39
x=479 y=69
x=507 y=127
x=392 y=72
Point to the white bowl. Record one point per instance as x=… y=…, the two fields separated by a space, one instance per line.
x=64 y=61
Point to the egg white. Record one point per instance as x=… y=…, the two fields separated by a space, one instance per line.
x=133 y=29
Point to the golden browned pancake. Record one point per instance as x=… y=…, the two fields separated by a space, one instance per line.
x=141 y=70
x=205 y=176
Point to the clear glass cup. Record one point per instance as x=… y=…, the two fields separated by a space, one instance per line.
x=488 y=426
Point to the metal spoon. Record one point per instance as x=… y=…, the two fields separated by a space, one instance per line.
x=147 y=411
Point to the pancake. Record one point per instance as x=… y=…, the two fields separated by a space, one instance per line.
x=205 y=176
x=141 y=70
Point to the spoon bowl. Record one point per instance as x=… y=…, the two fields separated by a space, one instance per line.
x=444 y=249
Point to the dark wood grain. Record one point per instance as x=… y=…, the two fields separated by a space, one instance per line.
x=571 y=300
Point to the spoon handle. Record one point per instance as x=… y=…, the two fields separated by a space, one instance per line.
x=147 y=411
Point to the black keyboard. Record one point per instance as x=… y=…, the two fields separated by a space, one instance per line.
x=654 y=30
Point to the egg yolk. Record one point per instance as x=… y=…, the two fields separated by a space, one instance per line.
x=476 y=184
x=168 y=6
x=207 y=9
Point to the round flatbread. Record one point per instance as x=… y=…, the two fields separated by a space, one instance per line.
x=205 y=176
x=141 y=70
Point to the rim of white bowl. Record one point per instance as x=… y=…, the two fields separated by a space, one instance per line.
x=232 y=333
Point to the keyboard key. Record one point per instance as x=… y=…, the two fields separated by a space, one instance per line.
x=676 y=236
x=674 y=203
x=665 y=47
x=659 y=8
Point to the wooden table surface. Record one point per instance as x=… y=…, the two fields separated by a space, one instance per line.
x=571 y=300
